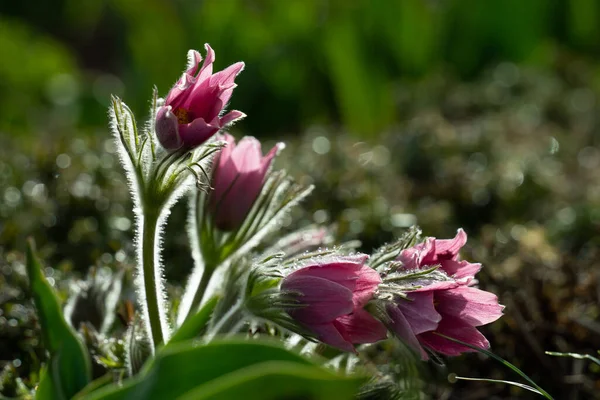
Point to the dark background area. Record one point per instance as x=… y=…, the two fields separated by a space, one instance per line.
x=447 y=113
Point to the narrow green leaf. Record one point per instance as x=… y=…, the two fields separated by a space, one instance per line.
x=181 y=367
x=94 y=385
x=69 y=368
x=278 y=380
x=46 y=389
x=501 y=360
x=517 y=384
x=195 y=324
x=575 y=355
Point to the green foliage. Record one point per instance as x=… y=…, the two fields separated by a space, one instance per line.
x=226 y=368
x=36 y=68
x=195 y=324
x=277 y=380
x=68 y=369
x=307 y=61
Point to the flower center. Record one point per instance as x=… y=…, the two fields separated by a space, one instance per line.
x=183 y=115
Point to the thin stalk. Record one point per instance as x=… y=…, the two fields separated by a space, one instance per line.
x=200 y=290
x=227 y=322
x=502 y=361
x=150 y=285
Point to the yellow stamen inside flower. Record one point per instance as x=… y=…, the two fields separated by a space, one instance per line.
x=183 y=116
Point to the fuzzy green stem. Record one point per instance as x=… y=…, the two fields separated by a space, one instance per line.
x=151 y=288
x=201 y=289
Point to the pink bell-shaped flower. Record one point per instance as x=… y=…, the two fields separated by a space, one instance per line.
x=192 y=111
x=333 y=294
x=238 y=177
x=452 y=308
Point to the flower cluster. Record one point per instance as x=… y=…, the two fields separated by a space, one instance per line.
x=422 y=308
x=451 y=307
x=293 y=287
x=425 y=293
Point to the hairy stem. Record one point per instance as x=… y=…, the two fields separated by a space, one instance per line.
x=200 y=290
x=152 y=289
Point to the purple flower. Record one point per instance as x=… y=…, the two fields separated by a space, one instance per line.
x=442 y=252
x=334 y=293
x=452 y=308
x=238 y=178
x=191 y=113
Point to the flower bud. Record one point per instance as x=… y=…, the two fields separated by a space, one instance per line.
x=333 y=294
x=192 y=110
x=238 y=178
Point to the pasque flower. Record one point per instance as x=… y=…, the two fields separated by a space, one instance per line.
x=451 y=307
x=192 y=111
x=333 y=294
x=238 y=177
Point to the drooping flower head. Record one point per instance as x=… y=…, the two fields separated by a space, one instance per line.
x=334 y=293
x=238 y=177
x=192 y=111
x=450 y=307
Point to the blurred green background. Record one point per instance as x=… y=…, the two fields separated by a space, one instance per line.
x=307 y=61
x=445 y=113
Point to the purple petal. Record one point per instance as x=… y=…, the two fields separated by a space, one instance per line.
x=361 y=327
x=366 y=284
x=343 y=273
x=232 y=116
x=473 y=306
x=414 y=257
x=207 y=67
x=403 y=330
x=222 y=176
x=325 y=300
x=447 y=249
x=226 y=77
x=182 y=89
x=235 y=203
x=247 y=155
x=460 y=269
x=223 y=96
x=167 y=130
x=203 y=101
x=436 y=286
x=455 y=329
x=194 y=59
x=267 y=160
x=197 y=132
x=329 y=334
x=420 y=312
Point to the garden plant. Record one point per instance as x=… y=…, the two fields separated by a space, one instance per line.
x=267 y=312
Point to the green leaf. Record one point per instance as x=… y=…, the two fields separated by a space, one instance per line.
x=195 y=324
x=278 y=380
x=180 y=368
x=69 y=368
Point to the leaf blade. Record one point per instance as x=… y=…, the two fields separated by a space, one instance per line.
x=277 y=380
x=182 y=367
x=69 y=369
x=196 y=323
